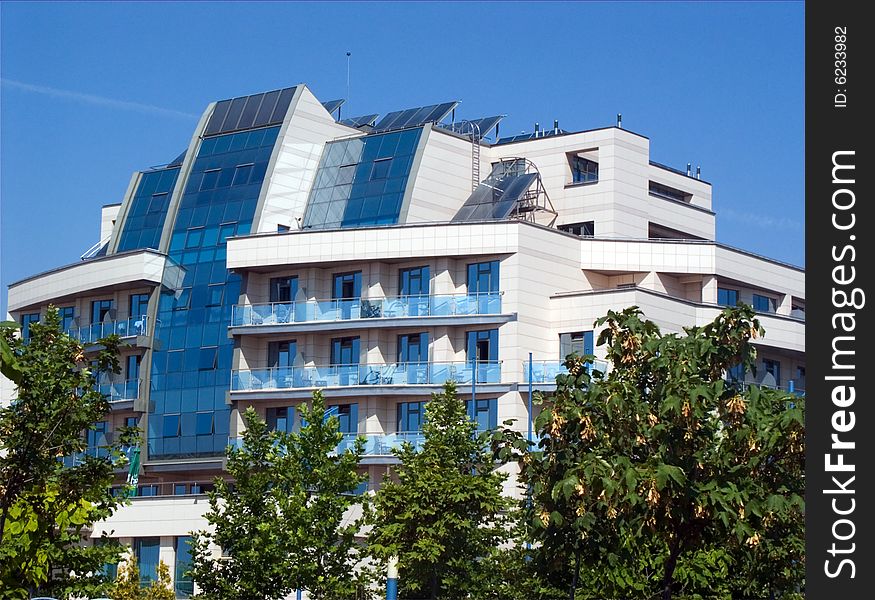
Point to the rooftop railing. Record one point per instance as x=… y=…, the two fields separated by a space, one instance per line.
x=545 y=371
x=452 y=305
x=411 y=373
x=89 y=334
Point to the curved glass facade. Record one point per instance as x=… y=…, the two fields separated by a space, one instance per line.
x=191 y=363
x=145 y=219
x=361 y=181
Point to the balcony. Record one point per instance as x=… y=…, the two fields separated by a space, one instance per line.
x=391 y=378
x=315 y=315
x=126 y=329
x=120 y=391
x=545 y=371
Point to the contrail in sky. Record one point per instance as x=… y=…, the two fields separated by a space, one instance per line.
x=97 y=100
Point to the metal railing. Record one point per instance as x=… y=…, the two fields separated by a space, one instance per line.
x=451 y=305
x=120 y=391
x=89 y=334
x=172 y=488
x=98 y=451
x=545 y=371
x=376 y=444
x=792 y=386
x=411 y=373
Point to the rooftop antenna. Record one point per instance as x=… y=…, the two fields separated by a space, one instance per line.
x=348 y=54
x=619 y=120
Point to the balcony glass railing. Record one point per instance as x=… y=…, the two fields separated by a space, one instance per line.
x=419 y=373
x=97 y=451
x=792 y=386
x=278 y=313
x=545 y=371
x=89 y=334
x=123 y=390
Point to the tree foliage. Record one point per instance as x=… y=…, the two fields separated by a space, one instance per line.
x=281 y=522
x=128 y=585
x=47 y=506
x=660 y=477
x=443 y=514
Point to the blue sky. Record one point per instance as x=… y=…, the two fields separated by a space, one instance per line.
x=92 y=92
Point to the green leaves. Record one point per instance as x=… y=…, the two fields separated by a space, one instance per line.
x=45 y=505
x=281 y=523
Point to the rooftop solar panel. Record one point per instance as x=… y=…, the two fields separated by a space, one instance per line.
x=360 y=121
x=484 y=125
x=246 y=112
x=332 y=105
x=495 y=198
x=530 y=136
x=413 y=117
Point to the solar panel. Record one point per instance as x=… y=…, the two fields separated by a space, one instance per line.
x=530 y=136
x=483 y=126
x=246 y=112
x=413 y=117
x=494 y=199
x=360 y=121
x=333 y=105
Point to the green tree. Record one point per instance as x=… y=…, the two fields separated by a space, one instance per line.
x=47 y=505
x=281 y=521
x=659 y=476
x=127 y=584
x=443 y=513
x=161 y=587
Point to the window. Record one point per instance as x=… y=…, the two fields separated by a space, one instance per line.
x=410 y=416
x=482 y=345
x=763 y=303
x=131 y=422
x=413 y=281
x=226 y=230
x=483 y=277
x=180 y=489
x=194 y=237
x=171 y=426
x=147 y=490
x=484 y=412
x=727 y=297
x=281 y=418
x=242 y=174
x=280 y=228
x=347 y=285
x=345 y=351
x=347 y=414
x=413 y=347
x=773 y=368
x=96 y=438
x=101 y=310
x=215 y=293
x=736 y=373
x=182 y=580
x=579 y=342
x=282 y=354
x=183 y=300
x=67 y=317
x=132 y=366
x=585 y=229
x=207 y=361
x=210 y=179
x=283 y=289
x=203 y=423
x=381 y=169
x=26 y=321
x=147 y=550
x=583 y=170
x=668 y=193
x=139 y=305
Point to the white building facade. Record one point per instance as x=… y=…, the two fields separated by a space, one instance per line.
x=288 y=250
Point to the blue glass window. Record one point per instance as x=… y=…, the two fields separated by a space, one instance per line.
x=182 y=580
x=283 y=289
x=578 y=342
x=345 y=351
x=26 y=321
x=414 y=281
x=147 y=550
x=413 y=347
x=727 y=297
x=763 y=303
x=410 y=416
x=736 y=373
x=347 y=414
x=132 y=366
x=347 y=285
x=148 y=210
x=203 y=423
x=139 y=304
x=583 y=170
x=361 y=181
x=281 y=418
x=484 y=412
x=483 y=277
x=773 y=368
x=482 y=345
x=281 y=354
x=67 y=314
x=100 y=310
x=171 y=425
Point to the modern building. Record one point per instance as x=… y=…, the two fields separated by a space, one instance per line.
x=288 y=249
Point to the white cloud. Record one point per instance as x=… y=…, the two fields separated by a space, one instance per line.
x=96 y=100
x=761 y=220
